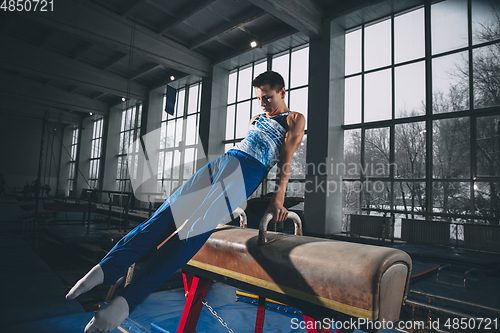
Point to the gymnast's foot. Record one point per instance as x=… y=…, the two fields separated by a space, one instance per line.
x=110 y=317
x=94 y=277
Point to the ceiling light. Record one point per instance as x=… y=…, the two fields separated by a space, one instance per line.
x=123 y=99
x=253 y=44
x=90 y=113
x=172 y=78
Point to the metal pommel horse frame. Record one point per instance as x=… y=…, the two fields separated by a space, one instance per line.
x=324 y=278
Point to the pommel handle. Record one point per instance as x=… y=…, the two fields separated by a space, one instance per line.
x=268 y=217
x=243 y=217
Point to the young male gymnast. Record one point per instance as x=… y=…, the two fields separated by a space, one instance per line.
x=273 y=137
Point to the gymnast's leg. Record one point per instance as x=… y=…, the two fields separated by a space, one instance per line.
x=179 y=250
x=170 y=257
x=175 y=253
x=127 y=251
x=145 y=237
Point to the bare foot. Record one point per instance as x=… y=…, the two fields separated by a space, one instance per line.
x=110 y=317
x=93 y=278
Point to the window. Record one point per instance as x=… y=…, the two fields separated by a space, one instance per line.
x=128 y=151
x=178 y=140
x=95 y=153
x=242 y=103
x=72 y=162
x=402 y=100
x=293 y=65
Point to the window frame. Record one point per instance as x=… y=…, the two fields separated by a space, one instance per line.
x=96 y=153
x=167 y=119
x=429 y=118
x=122 y=183
x=268 y=183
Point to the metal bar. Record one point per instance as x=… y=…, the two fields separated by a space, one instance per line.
x=440 y=269
x=394 y=211
x=392 y=133
x=38 y=181
x=268 y=217
x=150 y=206
x=196 y=289
x=126 y=213
x=90 y=208
x=438 y=309
x=107 y=191
x=482 y=307
x=467 y=273
x=472 y=134
x=428 y=106
x=261 y=312
x=447 y=115
x=109 y=211
x=363 y=134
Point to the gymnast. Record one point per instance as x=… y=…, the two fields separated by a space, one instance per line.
x=273 y=137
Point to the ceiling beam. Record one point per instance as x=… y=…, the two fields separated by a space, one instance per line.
x=25 y=58
x=83 y=51
x=101 y=26
x=23 y=89
x=223 y=42
x=145 y=72
x=47 y=38
x=116 y=59
x=160 y=7
x=302 y=15
x=267 y=40
x=132 y=8
x=29 y=109
x=248 y=32
x=99 y=95
x=189 y=10
x=228 y=27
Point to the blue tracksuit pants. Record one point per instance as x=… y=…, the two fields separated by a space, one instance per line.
x=204 y=200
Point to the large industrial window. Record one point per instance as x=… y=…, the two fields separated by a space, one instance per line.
x=422 y=113
x=95 y=153
x=243 y=105
x=72 y=161
x=179 y=137
x=128 y=150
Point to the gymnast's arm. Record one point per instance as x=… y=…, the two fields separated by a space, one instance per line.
x=293 y=139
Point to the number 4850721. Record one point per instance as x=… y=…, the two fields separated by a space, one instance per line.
x=471 y=323
x=27 y=5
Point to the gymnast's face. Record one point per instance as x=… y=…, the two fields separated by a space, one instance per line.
x=271 y=101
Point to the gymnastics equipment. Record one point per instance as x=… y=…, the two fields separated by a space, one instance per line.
x=326 y=279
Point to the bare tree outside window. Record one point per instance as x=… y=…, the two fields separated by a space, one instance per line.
x=461 y=126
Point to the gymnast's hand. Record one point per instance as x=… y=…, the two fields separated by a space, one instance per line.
x=279 y=212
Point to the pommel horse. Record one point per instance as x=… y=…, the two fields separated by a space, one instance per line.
x=326 y=279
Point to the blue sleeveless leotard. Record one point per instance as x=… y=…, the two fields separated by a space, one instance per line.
x=265 y=138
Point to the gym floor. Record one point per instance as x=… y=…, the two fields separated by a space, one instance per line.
x=38 y=272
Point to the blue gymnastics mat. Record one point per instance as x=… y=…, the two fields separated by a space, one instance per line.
x=161 y=313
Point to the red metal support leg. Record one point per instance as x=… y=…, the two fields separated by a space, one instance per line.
x=261 y=312
x=196 y=289
x=316 y=325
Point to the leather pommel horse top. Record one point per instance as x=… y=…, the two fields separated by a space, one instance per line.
x=355 y=280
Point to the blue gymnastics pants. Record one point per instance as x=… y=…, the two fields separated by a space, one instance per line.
x=204 y=200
